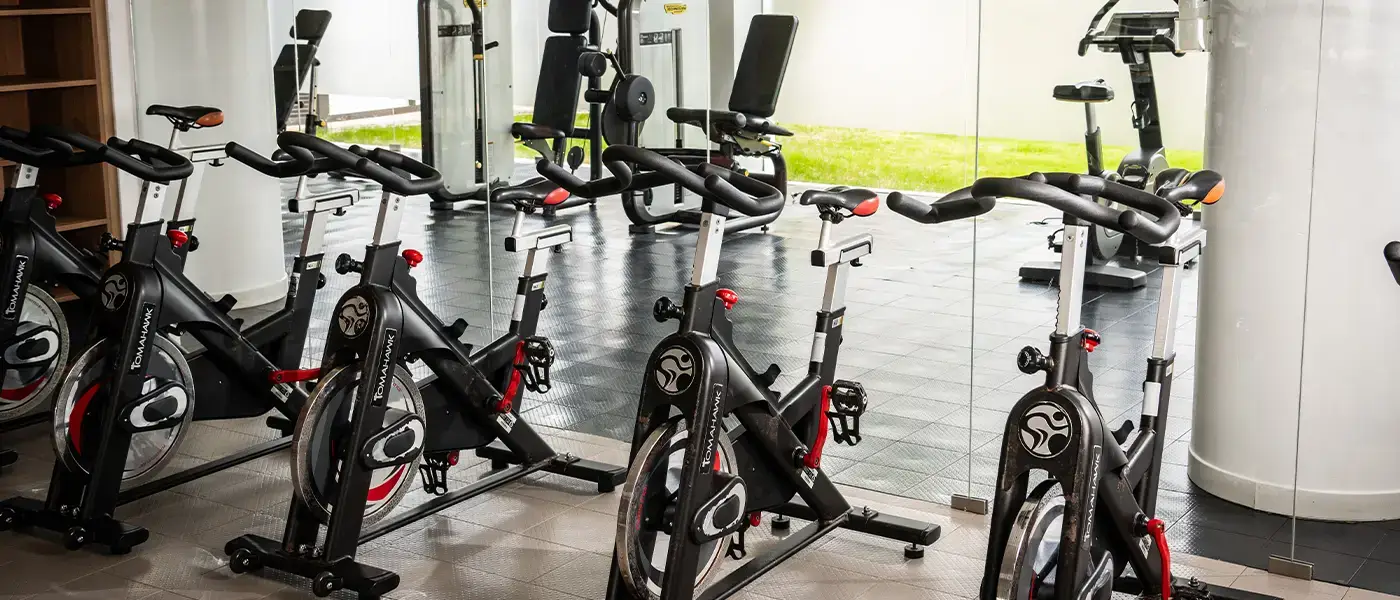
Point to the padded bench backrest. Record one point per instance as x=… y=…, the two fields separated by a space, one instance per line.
x=763 y=65
x=557 y=93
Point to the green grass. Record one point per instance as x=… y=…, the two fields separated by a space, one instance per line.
x=872 y=158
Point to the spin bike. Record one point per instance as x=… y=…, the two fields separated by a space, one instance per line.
x=129 y=399
x=34 y=332
x=366 y=427
x=1134 y=36
x=35 y=258
x=1072 y=536
x=689 y=499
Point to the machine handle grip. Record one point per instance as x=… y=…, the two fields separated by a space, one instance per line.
x=298 y=161
x=740 y=192
x=619 y=182
x=148 y=161
x=1035 y=188
x=952 y=207
x=1167 y=219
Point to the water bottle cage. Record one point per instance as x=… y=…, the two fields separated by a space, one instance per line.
x=433 y=471
x=848 y=403
x=537 y=356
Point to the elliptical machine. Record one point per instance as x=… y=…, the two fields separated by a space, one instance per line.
x=366 y=427
x=1072 y=536
x=690 y=497
x=1134 y=36
x=124 y=406
x=35 y=333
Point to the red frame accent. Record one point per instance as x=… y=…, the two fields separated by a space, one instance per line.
x=22 y=391
x=412 y=257
x=513 y=387
x=1158 y=530
x=755 y=519
x=75 y=418
x=813 y=459
x=294 y=375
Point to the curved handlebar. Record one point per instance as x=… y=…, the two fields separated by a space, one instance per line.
x=621 y=180
x=148 y=161
x=372 y=164
x=297 y=161
x=1066 y=197
x=744 y=194
x=957 y=205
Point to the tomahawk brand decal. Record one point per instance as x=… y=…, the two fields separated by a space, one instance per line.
x=17 y=287
x=383 y=375
x=148 y=312
x=716 y=400
x=1093 y=493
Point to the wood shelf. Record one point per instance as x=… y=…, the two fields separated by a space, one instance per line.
x=35 y=12
x=6 y=163
x=24 y=83
x=71 y=223
x=63 y=294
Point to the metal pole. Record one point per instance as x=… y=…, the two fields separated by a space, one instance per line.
x=426 y=37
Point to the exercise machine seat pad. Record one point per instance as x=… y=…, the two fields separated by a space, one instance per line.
x=535 y=131
x=763 y=65
x=570 y=17
x=560 y=83
x=1084 y=91
x=201 y=116
x=860 y=202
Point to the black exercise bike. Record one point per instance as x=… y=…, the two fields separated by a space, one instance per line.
x=689 y=498
x=367 y=407
x=1073 y=535
x=35 y=259
x=127 y=401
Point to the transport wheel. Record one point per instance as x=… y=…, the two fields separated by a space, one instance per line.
x=317 y=446
x=648 y=496
x=83 y=394
x=32 y=363
x=325 y=584
x=243 y=561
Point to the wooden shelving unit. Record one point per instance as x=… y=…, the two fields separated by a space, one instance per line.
x=54 y=69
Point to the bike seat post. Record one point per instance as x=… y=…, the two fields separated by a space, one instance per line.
x=25 y=176
x=386 y=227
x=707 y=246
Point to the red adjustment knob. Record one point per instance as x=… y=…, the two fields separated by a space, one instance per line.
x=1092 y=339
x=755 y=519
x=412 y=257
x=53 y=201
x=177 y=238
x=728 y=297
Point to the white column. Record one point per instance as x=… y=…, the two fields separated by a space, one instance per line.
x=1299 y=314
x=218 y=53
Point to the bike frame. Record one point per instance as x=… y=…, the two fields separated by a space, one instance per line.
x=767 y=432
x=233 y=372
x=462 y=395
x=1096 y=474
x=32 y=250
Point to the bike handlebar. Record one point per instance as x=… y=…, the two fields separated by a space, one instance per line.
x=147 y=161
x=957 y=205
x=377 y=164
x=1062 y=191
x=294 y=163
x=732 y=189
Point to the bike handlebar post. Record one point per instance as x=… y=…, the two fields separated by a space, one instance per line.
x=386 y=228
x=25 y=176
x=151 y=206
x=1068 y=319
x=707 y=246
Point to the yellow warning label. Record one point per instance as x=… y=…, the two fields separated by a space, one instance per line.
x=468 y=3
x=675 y=8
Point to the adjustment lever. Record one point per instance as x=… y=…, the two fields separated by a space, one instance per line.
x=346 y=265
x=848 y=403
x=109 y=243
x=537 y=356
x=226 y=303
x=1031 y=361
x=665 y=310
